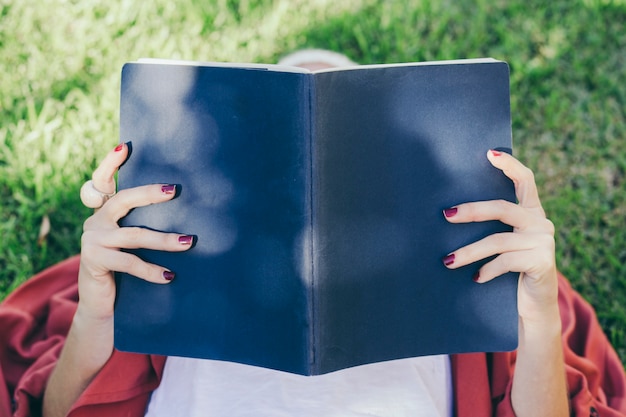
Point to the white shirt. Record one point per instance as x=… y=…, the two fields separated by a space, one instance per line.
x=407 y=387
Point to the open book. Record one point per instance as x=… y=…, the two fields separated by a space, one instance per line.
x=317 y=200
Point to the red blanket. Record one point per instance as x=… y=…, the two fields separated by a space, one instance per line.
x=35 y=318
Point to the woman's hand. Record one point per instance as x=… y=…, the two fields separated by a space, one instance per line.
x=89 y=343
x=103 y=238
x=528 y=249
x=539 y=381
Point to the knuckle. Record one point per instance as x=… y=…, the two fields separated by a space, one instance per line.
x=544 y=254
x=546 y=260
x=101 y=175
x=468 y=211
x=88 y=239
x=502 y=204
x=89 y=223
x=548 y=242
x=549 y=226
x=500 y=264
x=146 y=271
x=133 y=234
x=130 y=264
x=527 y=175
x=136 y=267
x=88 y=248
x=498 y=240
x=85 y=239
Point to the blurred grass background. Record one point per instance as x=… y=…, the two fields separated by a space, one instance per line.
x=60 y=62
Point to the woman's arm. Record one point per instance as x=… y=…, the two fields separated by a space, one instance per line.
x=89 y=342
x=539 y=382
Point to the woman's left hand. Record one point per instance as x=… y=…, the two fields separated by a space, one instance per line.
x=528 y=249
x=538 y=387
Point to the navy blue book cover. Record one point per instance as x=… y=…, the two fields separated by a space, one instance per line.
x=317 y=201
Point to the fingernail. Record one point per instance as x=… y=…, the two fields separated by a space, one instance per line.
x=119 y=147
x=168 y=189
x=168 y=275
x=496 y=153
x=449 y=212
x=449 y=260
x=476 y=276
x=185 y=240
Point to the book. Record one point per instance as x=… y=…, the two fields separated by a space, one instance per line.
x=316 y=200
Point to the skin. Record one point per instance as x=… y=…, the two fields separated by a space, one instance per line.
x=539 y=386
x=89 y=342
x=539 y=382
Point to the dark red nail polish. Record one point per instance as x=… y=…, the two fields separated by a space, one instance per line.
x=476 y=276
x=168 y=189
x=168 y=275
x=496 y=153
x=185 y=240
x=119 y=147
x=449 y=260
x=449 y=212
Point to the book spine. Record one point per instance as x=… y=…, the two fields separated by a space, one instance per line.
x=311 y=235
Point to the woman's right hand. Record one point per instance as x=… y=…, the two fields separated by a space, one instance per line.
x=103 y=240
x=89 y=343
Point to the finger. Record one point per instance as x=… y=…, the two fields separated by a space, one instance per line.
x=481 y=211
x=522 y=177
x=99 y=262
x=138 y=237
x=512 y=214
x=124 y=201
x=104 y=176
x=133 y=265
x=498 y=243
x=532 y=263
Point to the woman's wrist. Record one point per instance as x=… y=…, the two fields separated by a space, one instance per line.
x=91 y=342
x=539 y=386
x=542 y=324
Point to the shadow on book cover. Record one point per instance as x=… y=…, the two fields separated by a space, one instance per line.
x=316 y=200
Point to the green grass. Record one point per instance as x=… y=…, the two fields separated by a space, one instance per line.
x=61 y=59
